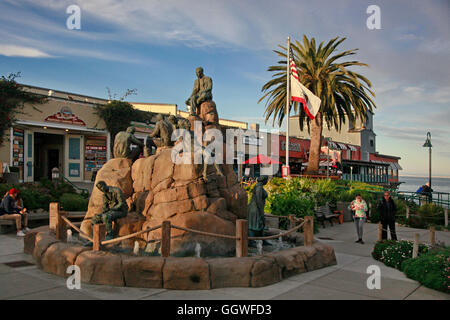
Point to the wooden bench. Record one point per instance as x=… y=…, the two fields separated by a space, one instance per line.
x=324 y=213
x=6 y=224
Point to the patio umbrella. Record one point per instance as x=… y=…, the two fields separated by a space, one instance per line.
x=261 y=159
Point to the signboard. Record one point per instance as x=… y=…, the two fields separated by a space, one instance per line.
x=254 y=141
x=65 y=115
x=285 y=171
x=292 y=146
x=247 y=172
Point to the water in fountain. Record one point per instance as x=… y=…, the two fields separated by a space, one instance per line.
x=259 y=247
x=69 y=236
x=198 y=250
x=136 y=248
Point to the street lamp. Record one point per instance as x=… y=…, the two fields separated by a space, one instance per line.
x=328 y=139
x=425 y=145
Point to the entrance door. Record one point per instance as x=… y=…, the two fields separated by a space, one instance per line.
x=28 y=174
x=52 y=161
x=74 y=155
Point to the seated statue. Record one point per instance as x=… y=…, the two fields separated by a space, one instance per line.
x=160 y=136
x=201 y=92
x=122 y=144
x=114 y=207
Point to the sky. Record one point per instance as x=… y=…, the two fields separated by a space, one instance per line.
x=154 y=46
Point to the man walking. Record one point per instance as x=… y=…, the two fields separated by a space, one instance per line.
x=387 y=211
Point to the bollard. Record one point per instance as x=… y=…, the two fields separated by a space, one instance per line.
x=165 y=238
x=61 y=226
x=380 y=231
x=241 y=238
x=407 y=212
x=308 y=230
x=416 y=246
x=99 y=236
x=432 y=236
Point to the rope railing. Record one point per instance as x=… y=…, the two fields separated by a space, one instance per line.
x=59 y=223
x=205 y=233
x=132 y=235
x=278 y=235
x=82 y=234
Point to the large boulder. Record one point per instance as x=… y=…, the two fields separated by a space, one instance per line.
x=116 y=173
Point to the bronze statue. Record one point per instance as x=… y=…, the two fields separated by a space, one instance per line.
x=201 y=92
x=122 y=143
x=256 y=218
x=114 y=207
x=162 y=134
x=173 y=121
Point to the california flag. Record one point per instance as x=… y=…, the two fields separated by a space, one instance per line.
x=301 y=94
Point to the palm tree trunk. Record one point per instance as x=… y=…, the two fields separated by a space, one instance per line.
x=316 y=143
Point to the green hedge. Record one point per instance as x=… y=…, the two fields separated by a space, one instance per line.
x=73 y=202
x=431 y=269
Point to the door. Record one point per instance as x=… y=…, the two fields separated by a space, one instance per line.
x=74 y=157
x=53 y=161
x=28 y=174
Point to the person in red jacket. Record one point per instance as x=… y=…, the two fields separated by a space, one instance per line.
x=9 y=210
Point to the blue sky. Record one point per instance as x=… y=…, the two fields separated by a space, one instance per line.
x=155 y=46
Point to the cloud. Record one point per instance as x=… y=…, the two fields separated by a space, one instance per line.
x=19 y=51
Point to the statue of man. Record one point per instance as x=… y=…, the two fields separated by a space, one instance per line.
x=162 y=134
x=201 y=92
x=114 y=207
x=256 y=218
x=122 y=143
x=173 y=121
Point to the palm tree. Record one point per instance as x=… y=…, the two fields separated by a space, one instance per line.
x=344 y=93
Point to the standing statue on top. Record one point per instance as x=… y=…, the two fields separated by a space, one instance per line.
x=256 y=218
x=201 y=92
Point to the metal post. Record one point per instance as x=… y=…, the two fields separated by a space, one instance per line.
x=288 y=97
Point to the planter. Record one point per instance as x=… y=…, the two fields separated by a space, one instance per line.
x=347 y=212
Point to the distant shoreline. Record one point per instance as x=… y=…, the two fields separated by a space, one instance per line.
x=423 y=177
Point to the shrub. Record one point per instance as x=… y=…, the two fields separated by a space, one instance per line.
x=73 y=202
x=393 y=253
x=431 y=269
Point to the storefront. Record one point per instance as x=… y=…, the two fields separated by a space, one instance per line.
x=62 y=133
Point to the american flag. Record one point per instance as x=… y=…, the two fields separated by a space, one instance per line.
x=301 y=94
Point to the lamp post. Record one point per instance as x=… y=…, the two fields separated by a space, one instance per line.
x=328 y=139
x=425 y=145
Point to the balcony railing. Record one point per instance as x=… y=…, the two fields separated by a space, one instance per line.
x=366 y=178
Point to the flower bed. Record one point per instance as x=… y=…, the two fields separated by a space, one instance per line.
x=431 y=267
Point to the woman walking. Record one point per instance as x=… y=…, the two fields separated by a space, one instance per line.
x=359 y=209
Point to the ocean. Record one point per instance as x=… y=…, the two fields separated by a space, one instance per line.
x=413 y=183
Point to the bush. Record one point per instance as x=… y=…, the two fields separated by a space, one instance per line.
x=73 y=202
x=431 y=269
x=393 y=254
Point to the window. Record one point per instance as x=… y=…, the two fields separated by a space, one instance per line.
x=371 y=143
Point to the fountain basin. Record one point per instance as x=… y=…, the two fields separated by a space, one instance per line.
x=185 y=273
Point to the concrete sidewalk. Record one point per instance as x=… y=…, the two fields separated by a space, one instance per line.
x=346 y=280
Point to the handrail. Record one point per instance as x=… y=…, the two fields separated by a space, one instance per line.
x=278 y=235
x=129 y=235
x=73 y=185
x=82 y=234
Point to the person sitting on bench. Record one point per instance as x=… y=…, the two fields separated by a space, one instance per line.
x=9 y=210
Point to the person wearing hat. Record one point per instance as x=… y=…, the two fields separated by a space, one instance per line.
x=9 y=210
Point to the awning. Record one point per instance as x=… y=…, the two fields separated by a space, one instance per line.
x=332 y=145
x=352 y=147
x=261 y=159
x=342 y=146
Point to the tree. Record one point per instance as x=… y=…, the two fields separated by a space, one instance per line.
x=345 y=94
x=12 y=101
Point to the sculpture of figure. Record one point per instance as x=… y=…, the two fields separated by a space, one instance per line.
x=184 y=124
x=201 y=92
x=256 y=219
x=173 y=121
x=114 y=207
x=162 y=134
x=122 y=143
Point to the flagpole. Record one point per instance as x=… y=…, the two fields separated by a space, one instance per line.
x=288 y=98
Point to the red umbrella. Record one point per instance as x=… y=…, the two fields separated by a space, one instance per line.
x=261 y=159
